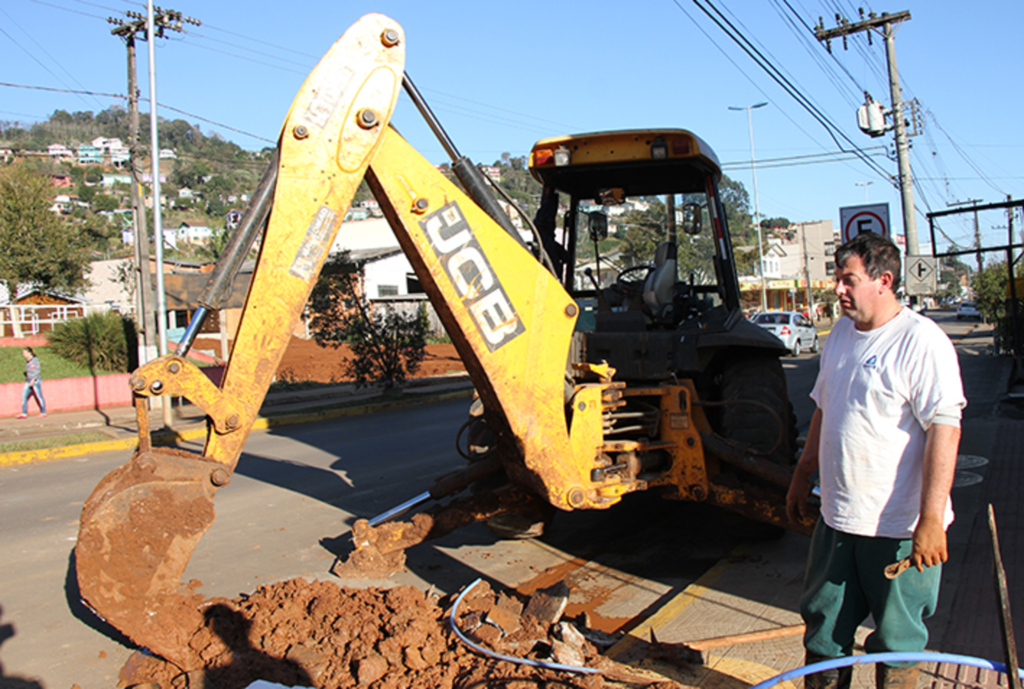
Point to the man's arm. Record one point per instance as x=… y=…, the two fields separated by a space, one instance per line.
x=940 y=451
x=800 y=486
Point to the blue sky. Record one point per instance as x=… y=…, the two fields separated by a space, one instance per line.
x=502 y=75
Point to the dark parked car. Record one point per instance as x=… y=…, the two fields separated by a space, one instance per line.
x=794 y=329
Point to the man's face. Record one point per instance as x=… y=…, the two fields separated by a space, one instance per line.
x=861 y=297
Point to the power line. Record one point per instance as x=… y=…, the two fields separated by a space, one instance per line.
x=161 y=105
x=56 y=90
x=810 y=31
x=746 y=76
x=68 y=9
x=38 y=61
x=807 y=159
x=38 y=45
x=967 y=159
x=834 y=132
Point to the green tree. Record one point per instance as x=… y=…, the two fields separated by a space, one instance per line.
x=990 y=287
x=215 y=247
x=746 y=261
x=105 y=202
x=737 y=211
x=770 y=223
x=387 y=346
x=40 y=248
x=85 y=193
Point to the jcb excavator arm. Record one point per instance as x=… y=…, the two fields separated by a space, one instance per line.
x=509 y=318
x=143 y=521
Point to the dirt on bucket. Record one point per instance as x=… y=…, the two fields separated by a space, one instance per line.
x=319 y=634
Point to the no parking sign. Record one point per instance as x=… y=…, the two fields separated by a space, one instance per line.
x=855 y=220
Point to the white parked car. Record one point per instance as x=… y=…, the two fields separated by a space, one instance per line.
x=967 y=309
x=794 y=329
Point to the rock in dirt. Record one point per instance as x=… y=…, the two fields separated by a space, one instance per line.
x=505 y=614
x=318 y=634
x=547 y=605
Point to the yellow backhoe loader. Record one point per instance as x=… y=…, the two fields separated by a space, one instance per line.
x=592 y=381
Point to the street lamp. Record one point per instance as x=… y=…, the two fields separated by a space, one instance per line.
x=757 y=205
x=865 y=185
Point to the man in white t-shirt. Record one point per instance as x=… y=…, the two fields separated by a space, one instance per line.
x=884 y=438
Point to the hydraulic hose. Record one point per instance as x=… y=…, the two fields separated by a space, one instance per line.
x=894 y=657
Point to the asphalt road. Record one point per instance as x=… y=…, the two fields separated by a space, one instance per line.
x=295 y=493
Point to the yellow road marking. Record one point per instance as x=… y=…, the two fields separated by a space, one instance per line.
x=719 y=672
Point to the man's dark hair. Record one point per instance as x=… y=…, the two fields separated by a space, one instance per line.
x=878 y=254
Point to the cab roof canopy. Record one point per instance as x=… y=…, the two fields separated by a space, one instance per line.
x=639 y=161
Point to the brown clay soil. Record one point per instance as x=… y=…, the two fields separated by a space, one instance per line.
x=305 y=360
x=319 y=634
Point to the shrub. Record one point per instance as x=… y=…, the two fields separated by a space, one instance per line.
x=100 y=341
x=387 y=346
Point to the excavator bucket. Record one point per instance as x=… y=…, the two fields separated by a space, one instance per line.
x=141 y=524
x=138 y=530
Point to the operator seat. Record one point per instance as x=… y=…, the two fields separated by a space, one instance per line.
x=659 y=287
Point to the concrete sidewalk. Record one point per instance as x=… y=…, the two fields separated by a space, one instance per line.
x=279 y=408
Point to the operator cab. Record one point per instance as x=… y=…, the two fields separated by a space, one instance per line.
x=635 y=229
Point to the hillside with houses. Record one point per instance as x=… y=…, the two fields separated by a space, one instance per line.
x=205 y=184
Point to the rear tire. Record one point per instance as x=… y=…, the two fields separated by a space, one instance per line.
x=796 y=348
x=758 y=378
x=815 y=347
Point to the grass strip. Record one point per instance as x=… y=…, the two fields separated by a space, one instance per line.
x=53 y=441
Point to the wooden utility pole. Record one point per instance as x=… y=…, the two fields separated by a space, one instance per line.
x=886 y=21
x=144 y=284
x=129 y=31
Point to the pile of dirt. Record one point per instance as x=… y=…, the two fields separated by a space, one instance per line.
x=306 y=361
x=318 y=634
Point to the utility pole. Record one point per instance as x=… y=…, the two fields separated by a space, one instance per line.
x=138 y=28
x=144 y=286
x=977 y=231
x=886 y=22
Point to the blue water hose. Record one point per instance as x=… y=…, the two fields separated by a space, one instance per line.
x=511 y=659
x=870 y=658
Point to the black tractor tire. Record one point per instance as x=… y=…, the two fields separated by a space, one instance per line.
x=758 y=378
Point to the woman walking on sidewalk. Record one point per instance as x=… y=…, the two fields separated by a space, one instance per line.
x=33 y=382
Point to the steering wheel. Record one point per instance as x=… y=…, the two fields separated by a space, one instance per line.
x=631 y=281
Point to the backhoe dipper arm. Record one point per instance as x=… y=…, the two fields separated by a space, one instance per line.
x=142 y=522
x=509 y=318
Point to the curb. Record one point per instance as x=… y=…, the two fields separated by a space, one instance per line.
x=262 y=422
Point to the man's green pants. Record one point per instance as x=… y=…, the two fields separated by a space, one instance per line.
x=845 y=582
